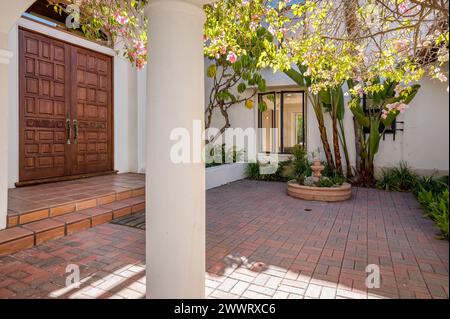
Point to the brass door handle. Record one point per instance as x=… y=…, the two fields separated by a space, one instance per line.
x=75 y=126
x=69 y=130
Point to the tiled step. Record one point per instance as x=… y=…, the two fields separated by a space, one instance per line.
x=98 y=215
x=74 y=222
x=37 y=232
x=135 y=196
x=15 y=239
x=45 y=230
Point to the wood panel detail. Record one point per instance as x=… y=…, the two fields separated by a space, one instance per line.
x=60 y=81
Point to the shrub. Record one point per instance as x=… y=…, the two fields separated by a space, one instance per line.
x=231 y=155
x=328 y=171
x=439 y=212
x=252 y=170
x=433 y=196
x=436 y=207
x=300 y=161
x=431 y=184
x=324 y=182
x=397 y=178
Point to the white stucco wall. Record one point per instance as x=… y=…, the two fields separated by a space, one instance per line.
x=141 y=116
x=424 y=143
x=125 y=101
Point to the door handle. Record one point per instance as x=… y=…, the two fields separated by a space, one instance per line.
x=69 y=130
x=75 y=126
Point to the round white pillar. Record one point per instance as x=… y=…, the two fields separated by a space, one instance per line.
x=175 y=193
x=5 y=57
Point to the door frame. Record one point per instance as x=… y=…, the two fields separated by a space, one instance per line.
x=21 y=115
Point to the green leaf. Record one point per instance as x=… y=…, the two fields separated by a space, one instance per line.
x=295 y=76
x=211 y=71
x=358 y=112
x=262 y=106
x=374 y=138
x=237 y=66
x=340 y=106
x=325 y=97
x=260 y=32
x=261 y=84
x=241 y=87
x=412 y=94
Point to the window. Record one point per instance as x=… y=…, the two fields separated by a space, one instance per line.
x=283 y=124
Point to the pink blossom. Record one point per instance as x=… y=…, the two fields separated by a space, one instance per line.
x=384 y=115
x=223 y=50
x=140 y=64
x=403 y=7
x=140 y=47
x=397 y=106
x=232 y=57
x=120 y=19
x=441 y=77
x=272 y=30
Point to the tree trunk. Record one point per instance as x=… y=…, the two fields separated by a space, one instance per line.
x=345 y=148
x=337 y=152
x=323 y=134
x=357 y=129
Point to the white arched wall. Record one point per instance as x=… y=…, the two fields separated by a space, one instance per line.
x=10 y=11
x=424 y=143
x=126 y=94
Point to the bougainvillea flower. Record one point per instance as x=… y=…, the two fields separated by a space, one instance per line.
x=232 y=57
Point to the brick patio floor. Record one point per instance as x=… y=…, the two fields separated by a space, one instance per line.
x=260 y=244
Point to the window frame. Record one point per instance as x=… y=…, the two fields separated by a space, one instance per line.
x=278 y=148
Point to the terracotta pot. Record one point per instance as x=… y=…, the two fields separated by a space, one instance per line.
x=324 y=194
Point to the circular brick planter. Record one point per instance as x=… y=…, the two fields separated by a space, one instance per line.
x=324 y=194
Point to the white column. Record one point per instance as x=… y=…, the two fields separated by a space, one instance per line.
x=5 y=57
x=175 y=193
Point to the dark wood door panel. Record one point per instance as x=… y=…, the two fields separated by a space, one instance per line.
x=60 y=82
x=43 y=106
x=92 y=98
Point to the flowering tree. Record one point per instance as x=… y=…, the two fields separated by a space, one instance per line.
x=371 y=44
x=233 y=40
x=123 y=22
x=238 y=34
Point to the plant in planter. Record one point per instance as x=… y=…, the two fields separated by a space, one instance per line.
x=318 y=187
x=219 y=154
x=375 y=109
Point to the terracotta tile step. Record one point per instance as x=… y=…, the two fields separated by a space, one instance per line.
x=134 y=198
x=15 y=239
x=75 y=222
x=126 y=206
x=97 y=215
x=37 y=232
x=45 y=230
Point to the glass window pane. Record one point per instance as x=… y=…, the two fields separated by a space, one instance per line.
x=266 y=122
x=293 y=121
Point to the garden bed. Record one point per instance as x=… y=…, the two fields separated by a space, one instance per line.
x=223 y=174
x=325 y=194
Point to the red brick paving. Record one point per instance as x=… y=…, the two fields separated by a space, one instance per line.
x=260 y=244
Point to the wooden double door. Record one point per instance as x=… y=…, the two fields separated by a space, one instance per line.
x=65 y=109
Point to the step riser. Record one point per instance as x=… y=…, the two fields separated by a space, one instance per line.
x=68 y=208
x=36 y=238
